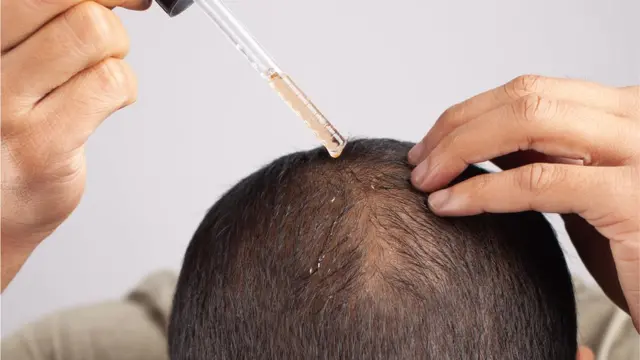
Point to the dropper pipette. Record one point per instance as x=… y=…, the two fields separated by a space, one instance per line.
x=267 y=68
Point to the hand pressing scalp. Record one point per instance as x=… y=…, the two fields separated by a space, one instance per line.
x=62 y=75
x=567 y=147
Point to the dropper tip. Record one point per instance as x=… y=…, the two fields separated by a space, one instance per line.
x=335 y=152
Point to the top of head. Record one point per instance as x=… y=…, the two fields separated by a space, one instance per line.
x=313 y=257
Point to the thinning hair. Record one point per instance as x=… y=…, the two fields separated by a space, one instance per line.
x=319 y=258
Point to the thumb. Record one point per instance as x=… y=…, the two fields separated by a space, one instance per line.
x=552 y=188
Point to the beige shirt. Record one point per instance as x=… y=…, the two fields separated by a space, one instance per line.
x=603 y=327
x=135 y=328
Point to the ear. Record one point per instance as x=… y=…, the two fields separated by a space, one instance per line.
x=584 y=353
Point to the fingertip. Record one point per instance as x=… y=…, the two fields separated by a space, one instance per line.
x=452 y=202
x=584 y=353
x=438 y=200
x=414 y=154
x=419 y=176
x=414 y=181
x=139 y=5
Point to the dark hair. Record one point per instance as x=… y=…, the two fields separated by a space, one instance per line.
x=319 y=258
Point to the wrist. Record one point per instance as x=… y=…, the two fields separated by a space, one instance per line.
x=14 y=237
x=16 y=248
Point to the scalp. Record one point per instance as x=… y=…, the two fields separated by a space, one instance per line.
x=341 y=258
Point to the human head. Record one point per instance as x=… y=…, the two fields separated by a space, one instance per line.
x=312 y=257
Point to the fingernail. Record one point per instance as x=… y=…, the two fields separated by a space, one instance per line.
x=440 y=200
x=421 y=173
x=414 y=153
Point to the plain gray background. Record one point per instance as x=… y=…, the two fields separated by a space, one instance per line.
x=204 y=119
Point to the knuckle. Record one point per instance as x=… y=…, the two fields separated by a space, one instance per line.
x=117 y=80
x=538 y=177
x=95 y=29
x=534 y=107
x=454 y=112
x=132 y=89
x=634 y=99
x=113 y=78
x=448 y=143
x=454 y=147
x=524 y=85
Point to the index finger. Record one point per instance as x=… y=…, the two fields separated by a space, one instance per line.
x=21 y=18
x=547 y=188
x=608 y=99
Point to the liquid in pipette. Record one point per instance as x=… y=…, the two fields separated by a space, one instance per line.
x=315 y=120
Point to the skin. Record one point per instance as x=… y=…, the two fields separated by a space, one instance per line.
x=567 y=147
x=584 y=353
x=63 y=73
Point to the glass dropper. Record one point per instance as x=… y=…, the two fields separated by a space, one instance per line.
x=267 y=68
